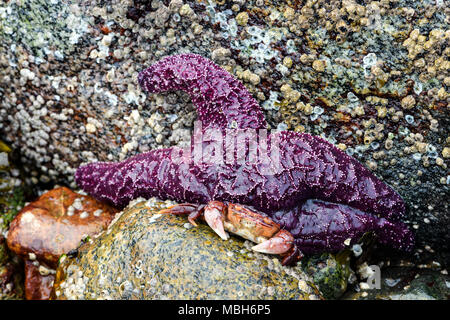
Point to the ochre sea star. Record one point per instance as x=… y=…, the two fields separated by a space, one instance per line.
x=318 y=193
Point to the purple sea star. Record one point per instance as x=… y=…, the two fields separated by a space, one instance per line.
x=317 y=192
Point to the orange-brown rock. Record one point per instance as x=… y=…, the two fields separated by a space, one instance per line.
x=37 y=285
x=55 y=223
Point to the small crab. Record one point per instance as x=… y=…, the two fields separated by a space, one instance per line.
x=244 y=221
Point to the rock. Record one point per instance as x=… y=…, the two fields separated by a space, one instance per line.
x=3 y=251
x=12 y=189
x=407 y=283
x=11 y=282
x=70 y=94
x=330 y=272
x=145 y=255
x=11 y=201
x=11 y=277
x=38 y=284
x=55 y=224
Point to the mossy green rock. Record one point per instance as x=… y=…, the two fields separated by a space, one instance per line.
x=12 y=192
x=330 y=272
x=12 y=200
x=145 y=255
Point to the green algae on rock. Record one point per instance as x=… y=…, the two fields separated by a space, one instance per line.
x=146 y=255
x=330 y=272
x=11 y=188
x=55 y=30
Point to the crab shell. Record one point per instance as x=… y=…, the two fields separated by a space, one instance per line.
x=248 y=224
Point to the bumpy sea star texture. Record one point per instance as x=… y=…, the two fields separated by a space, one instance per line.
x=351 y=200
x=219 y=97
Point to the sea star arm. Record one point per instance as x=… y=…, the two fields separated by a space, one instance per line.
x=320 y=170
x=150 y=174
x=319 y=226
x=311 y=227
x=221 y=100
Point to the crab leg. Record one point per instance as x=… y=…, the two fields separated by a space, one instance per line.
x=194 y=211
x=213 y=213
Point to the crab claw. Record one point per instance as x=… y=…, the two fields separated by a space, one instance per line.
x=280 y=243
x=214 y=215
x=292 y=256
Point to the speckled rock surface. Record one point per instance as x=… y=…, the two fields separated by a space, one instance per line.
x=144 y=255
x=372 y=79
x=407 y=283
